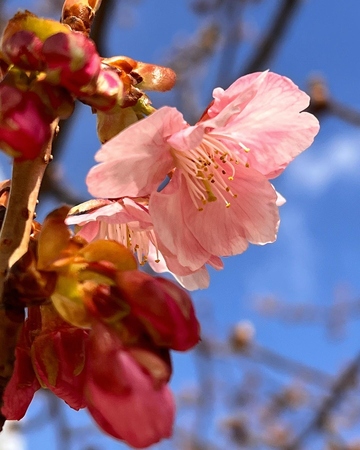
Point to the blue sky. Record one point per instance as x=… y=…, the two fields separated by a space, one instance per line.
x=318 y=247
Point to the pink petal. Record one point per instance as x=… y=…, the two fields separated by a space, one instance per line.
x=21 y=388
x=230 y=102
x=65 y=378
x=136 y=161
x=90 y=231
x=197 y=280
x=241 y=92
x=114 y=213
x=167 y=209
x=142 y=417
x=272 y=125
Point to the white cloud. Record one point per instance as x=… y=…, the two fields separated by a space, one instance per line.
x=325 y=163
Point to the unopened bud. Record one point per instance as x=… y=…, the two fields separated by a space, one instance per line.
x=108 y=94
x=72 y=62
x=23 y=49
x=57 y=99
x=164 y=309
x=24 y=123
x=79 y=14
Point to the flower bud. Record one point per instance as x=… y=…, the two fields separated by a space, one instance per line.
x=109 y=124
x=121 y=396
x=164 y=309
x=146 y=76
x=24 y=123
x=72 y=62
x=242 y=336
x=23 y=49
x=27 y=21
x=57 y=99
x=155 y=78
x=109 y=92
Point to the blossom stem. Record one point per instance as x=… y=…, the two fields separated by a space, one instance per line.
x=14 y=241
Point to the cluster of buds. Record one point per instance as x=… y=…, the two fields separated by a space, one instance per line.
x=46 y=65
x=88 y=305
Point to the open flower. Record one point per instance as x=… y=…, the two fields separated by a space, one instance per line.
x=128 y=221
x=218 y=198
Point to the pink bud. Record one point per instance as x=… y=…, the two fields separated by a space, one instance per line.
x=122 y=397
x=72 y=61
x=24 y=123
x=23 y=49
x=163 y=308
x=109 y=91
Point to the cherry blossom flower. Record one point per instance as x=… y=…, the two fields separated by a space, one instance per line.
x=128 y=221
x=219 y=198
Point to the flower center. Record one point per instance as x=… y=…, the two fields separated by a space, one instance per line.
x=208 y=170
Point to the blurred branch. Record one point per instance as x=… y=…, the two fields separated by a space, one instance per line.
x=285 y=364
x=273 y=37
x=344 y=382
x=242 y=342
x=3 y=17
x=344 y=113
x=185 y=60
x=206 y=400
x=322 y=103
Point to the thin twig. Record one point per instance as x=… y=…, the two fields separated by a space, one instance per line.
x=285 y=364
x=344 y=382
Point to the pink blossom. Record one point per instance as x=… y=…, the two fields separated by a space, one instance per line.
x=128 y=221
x=219 y=198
